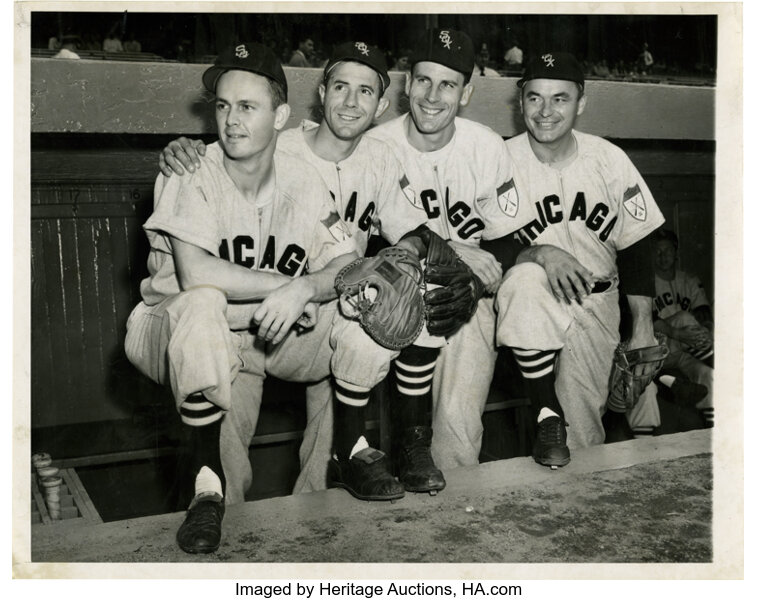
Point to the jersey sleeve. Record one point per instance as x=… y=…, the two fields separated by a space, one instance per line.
x=183 y=209
x=500 y=204
x=695 y=291
x=638 y=213
x=396 y=213
x=331 y=236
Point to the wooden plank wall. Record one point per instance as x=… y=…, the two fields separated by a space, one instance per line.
x=91 y=190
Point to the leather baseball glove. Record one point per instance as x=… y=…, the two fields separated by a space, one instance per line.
x=452 y=304
x=633 y=370
x=385 y=293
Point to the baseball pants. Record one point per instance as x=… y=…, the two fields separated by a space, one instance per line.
x=679 y=359
x=462 y=377
x=530 y=317
x=186 y=342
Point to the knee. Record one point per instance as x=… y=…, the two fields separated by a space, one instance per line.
x=523 y=279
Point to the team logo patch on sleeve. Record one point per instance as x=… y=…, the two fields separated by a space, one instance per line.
x=410 y=192
x=633 y=200
x=507 y=198
x=336 y=227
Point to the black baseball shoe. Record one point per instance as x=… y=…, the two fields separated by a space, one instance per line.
x=366 y=476
x=417 y=470
x=200 y=533
x=551 y=448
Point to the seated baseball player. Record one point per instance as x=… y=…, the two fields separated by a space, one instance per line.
x=683 y=313
x=364 y=178
x=240 y=252
x=558 y=305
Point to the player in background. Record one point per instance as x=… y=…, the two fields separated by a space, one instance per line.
x=558 y=306
x=239 y=253
x=364 y=178
x=683 y=313
x=461 y=174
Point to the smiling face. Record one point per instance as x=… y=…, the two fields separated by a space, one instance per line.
x=245 y=116
x=550 y=109
x=351 y=99
x=665 y=256
x=435 y=93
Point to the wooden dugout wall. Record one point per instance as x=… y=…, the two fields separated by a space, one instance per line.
x=96 y=131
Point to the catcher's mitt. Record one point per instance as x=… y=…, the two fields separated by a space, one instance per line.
x=451 y=305
x=385 y=294
x=633 y=370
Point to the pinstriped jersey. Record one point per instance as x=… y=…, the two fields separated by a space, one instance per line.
x=296 y=228
x=592 y=207
x=365 y=186
x=467 y=189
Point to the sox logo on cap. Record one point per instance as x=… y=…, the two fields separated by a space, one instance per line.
x=549 y=60
x=241 y=51
x=445 y=39
x=363 y=48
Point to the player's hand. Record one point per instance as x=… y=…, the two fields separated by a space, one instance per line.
x=309 y=316
x=180 y=154
x=569 y=279
x=481 y=262
x=281 y=309
x=695 y=336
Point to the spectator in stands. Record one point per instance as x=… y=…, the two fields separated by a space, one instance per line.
x=112 y=43
x=53 y=43
x=601 y=69
x=683 y=313
x=304 y=53
x=69 y=45
x=132 y=44
x=483 y=66
x=514 y=57
x=646 y=61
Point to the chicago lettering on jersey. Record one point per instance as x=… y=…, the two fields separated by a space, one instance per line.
x=365 y=220
x=550 y=212
x=457 y=214
x=241 y=251
x=666 y=299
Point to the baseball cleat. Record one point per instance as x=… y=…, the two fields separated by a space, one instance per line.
x=550 y=448
x=417 y=470
x=366 y=476
x=200 y=533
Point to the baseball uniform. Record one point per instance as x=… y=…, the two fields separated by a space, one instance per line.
x=468 y=192
x=675 y=300
x=592 y=207
x=197 y=341
x=365 y=188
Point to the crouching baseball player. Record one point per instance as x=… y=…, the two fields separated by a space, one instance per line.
x=558 y=306
x=240 y=253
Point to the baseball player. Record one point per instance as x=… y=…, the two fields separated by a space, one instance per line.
x=364 y=178
x=460 y=173
x=682 y=312
x=558 y=305
x=239 y=253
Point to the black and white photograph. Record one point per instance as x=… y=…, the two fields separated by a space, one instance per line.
x=372 y=291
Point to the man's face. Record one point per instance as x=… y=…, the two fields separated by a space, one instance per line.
x=245 y=116
x=550 y=108
x=307 y=47
x=435 y=93
x=665 y=255
x=351 y=99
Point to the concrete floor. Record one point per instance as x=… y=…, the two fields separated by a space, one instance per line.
x=643 y=501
